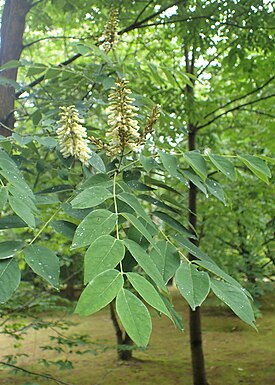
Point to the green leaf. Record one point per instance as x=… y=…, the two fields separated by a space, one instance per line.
x=211 y=266
x=98 y=222
x=46 y=141
x=64 y=227
x=98 y=179
x=223 y=165
x=196 y=180
x=177 y=318
x=10 y=171
x=9 y=248
x=82 y=49
x=52 y=73
x=138 y=186
x=146 y=262
x=22 y=140
x=158 y=203
x=75 y=213
x=99 y=292
x=141 y=228
x=159 y=183
x=191 y=248
x=236 y=299
x=56 y=189
x=174 y=223
x=133 y=202
x=193 y=285
x=5 y=81
x=257 y=166
x=3 y=197
x=215 y=189
x=147 y=291
x=197 y=162
x=41 y=199
x=22 y=210
x=169 y=162
x=174 y=201
x=169 y=75
x=97 y=162
x=11 y=222
x=10 y=277
x=104 y=253
x=10 y=64
x=36 y=69
x=134 y=317
x=148 y=163
x=168 y=261
x=91 y=197
x=44 y=263
x=24 y=198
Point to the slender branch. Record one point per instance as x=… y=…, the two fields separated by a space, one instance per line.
x=159 y=23
x=50 y=38
x=159 y=12
x=214 y=58
x=78 y=55
x=143 y=10
x=41 y=78
x=189 y=18
x=259 y=112
x=47 y=376
x=241 y=97
x=234 y=109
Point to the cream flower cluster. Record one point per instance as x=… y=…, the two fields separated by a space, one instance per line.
x=110 y=35
x=72 y=135
x=123 y=125
x=152 y=119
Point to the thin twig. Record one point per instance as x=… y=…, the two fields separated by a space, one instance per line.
x=47 y=376
x=143 y=10
x=234 y=109
x=50 y=38
x=241 y=97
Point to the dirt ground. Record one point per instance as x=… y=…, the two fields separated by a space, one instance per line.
x=234 y=353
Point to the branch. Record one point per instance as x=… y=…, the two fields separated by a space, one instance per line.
x=214 y=58
x=49 y=38
x=189 y=18
x=41 y=78
x=260 y=112
x=47 y=376
x=75 y=57
x=143 y=10
x=241 y=97
x=234 y=109
x=140 y=23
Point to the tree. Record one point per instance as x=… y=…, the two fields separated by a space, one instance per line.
x=188 y=30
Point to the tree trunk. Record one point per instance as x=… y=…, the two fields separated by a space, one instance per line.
x=12 y=29
x=198 y=367
x=124 y=342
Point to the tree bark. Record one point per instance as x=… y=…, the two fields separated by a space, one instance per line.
x=198 y=367
x=12 y=30
x=123 y=339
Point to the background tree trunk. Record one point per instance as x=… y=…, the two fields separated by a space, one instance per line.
x=12 y=30
x=123 y=339
x=198 y=367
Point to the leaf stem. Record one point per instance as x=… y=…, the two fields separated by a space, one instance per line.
x=116 y=212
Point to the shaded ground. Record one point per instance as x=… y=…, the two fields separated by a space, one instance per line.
x=235 y=354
